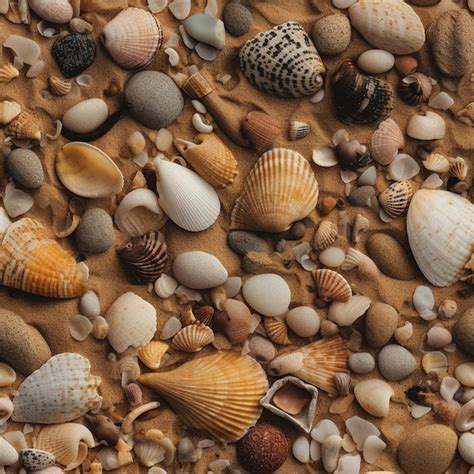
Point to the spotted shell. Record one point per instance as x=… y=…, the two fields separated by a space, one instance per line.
x=192 y=338
x=396 y=198
x=332 y=286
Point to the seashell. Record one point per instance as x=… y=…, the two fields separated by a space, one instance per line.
x=436 y=162
x=152 y=354
x=8 y=73
x=458 y=168
x=343 y=383
x=352 y=155
x=391 y=25
x=406 y=65
x=325 y=235
x=386 y=141
x=466 y=115
x=346 y=313
x=134 y=394
x=58 y=86
x=426 y=127
x=332 y=286
x=280 y=189
x=464 y=373
x=438 y=337
x=374 y=396
x=449 y=386
x=210 y=158
x=32 y=262
x=373 y=449
x=396 y=198
x=403 y=167
x=133 y=37
x=54 y=11
x=263 y=61
x=330 y=452
x=440 y=228
x=132 y=322
x=218 y=395
x=186 y=198
x=415 y=88
x=277 y=330
x=68 y=442
x=434 y=361
x=7 y=376
x=100 y=327
x=192 y=338
x=36 y=459
x=148 y=450
x=324 y=156
x=442 y=101
x=6 y=409
x=80 y=327
x=237 y=322
x=315 y=363
x=9 y=111
x=145 y=257
x=360 y=429
x=87 y=171
x=8 y=454
x=204 y=314
x=61 y=390
x=464 y=418
x=361 y=225
x=447 y=309
x=359 y=98
x=104 y=429
x=261 y=129
x=299 y=130
x=24 y=126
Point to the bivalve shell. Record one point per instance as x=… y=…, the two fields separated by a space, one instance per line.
x=192 y=338
x=429 y=126
x=299 y=130
x=374 y=396
x=152 y=354
x=9 y=111
x=54 y=11
x=277 y=330
x=436 y=162
x=261 y=129
x=332 y=286
x=458 y=168
x=325 y=235
x=59 y=86
x=396 y=198
x=403 y=167
x=386 y=141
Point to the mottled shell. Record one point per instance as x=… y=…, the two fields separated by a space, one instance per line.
x=25 y=126
x=332 y=286
x=133 y=37
x=262 y=130
x=440 y=228
x=192 y=338
x=265 y=61
x=280 y=189
x=277 y=330
x=415 y=88
x=36 y=459
x=386 y=141
x=396 y=198
x=59 y=86
x=9 y=111
x=152 y=353
x=61 y=390
x=299 y=130
x=325 y=235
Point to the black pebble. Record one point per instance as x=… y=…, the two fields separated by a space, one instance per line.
x=73 y=53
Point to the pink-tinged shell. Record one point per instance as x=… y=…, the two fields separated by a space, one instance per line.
x=54 y=11
x=386 y=141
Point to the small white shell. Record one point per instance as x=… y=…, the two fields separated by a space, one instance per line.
x=442 y=101
x=434 y=361
x=373 y=449
x=324 y=156
x=426 y=127
x=16 y=201
x=360 y=430
x=345 y=314
x=80 y=327
x=423 y=300
x=404 y=333
x=436 y=162
x=165 y=286
x=403 y=167
x=449 y=386
x=6 y=409
x=173 y=56
x=200 y=125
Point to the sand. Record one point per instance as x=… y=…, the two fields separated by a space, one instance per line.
x=108 y=278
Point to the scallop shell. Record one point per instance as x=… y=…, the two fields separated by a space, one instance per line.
x=280 y=189
x=391 y=25
x=8 y=73
x=299 y=130
x=188 y=200
x=264 y=60
x=277 y=330
x=262 y=130
x=152 y=354
x=396 y=198
x=61 y=390
x=458 y=168
x=218 y=395
x=436 y=162
x=210 y=158
x=386 y=141
x=359 y=98
x=87 y=171
x=9 y=111
x=332 y=286
x=59 y=86
x=133 y=37
x=440 y=228
x=192 y=338
x=415 y=88
x=32 y=262
x=145 y=257
x=429 y=126
x=325 y=236
x=69 y=442
x=24 y=126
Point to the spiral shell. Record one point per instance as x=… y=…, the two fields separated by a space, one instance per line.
x=277 y=330
x=24 y=126
x=396 y=198
x=332 y=286
x=192 y=338
x=415 y=88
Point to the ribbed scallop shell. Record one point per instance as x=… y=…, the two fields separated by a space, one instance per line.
x=386 y=141
x=261 y=129
x=436 y=162
x=218 y=395
x=31 y=261
x=299 y=130
x=61 y=390
x=9 y=111
x=280 y=189
x=396 y=198
x=283 y=61
x=69 y=442
x=415 y=88
x=359 y=98
x=58 y=86
x=8 y=73
x=192 y=338
x=145 y=257
x=210 y=158
x=152 y=353
x=332 y=286
x=440 y=228
x=188 y=200
x=277 y=330
x=133 y=37
x=458 y=168
x=325 y=235
x=24 y=126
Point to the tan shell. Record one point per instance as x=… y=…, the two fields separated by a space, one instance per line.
x=436 y=162
x=24 y=126
x=192 y=338
x=8 y=73
x=435 y=361
x=280 y=189
x=332 y=286
x=325 y=236
x=218 y=395
x=299 y=130
x=458 y=168
x=53 y=11
x=152 y=354
x=277 y=330
x=58 y=86
x=415 y=88
x=262 y=130
x=396 y=198
x=386 y=141
x=9 y=111
x=31 y=261
x=406 y=65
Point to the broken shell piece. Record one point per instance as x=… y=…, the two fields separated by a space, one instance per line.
x=415 y=88
x=16 y=201
x=374 y=396
x=465 y=417
x=466 y=115
x=8 y=454
x=346 y=313
x=360 y=430
x=434 y=361
x=6 y=409
x=7 y=376
x=9 y=111
x=403 y=167
x=324 y=156
x=429 y=126
x=80 y=327
x=324 y=429
x=447 y=309
x=180 y=8
x=127 y=423
x=373 y=449
x=361 y=225
x=136 y=142
x=299 y=130
x=449 y=386
x=442 y=101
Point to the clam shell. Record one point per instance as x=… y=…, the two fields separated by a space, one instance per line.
x=436 y=162
x=87 y=171
x=434 y=361
x=324 y=156
x=346 y=313
x=261 y=129
x=264 y=61
x=54 y=11
x=61 y=390
x=24 y=126
x=238 y=322
x=192 y=338
x=280 y=189
x=7 y=376
x=277 y=330
x=6 y=408
x=9 y=111
x=458 y=168
x=218 y=395
x=440 y=228
x=8 y=73
x=8 y=454
x=299 y=130
x=396 y=198
x=403 y=167
x=152 y=354
x=332 y=286
x=386 y=141
x=33 y=262
x=325 y=236
x=429 y=126
x=133 y=37
x=188 y=200
x=59 y=86
x=210 y=158
x=391 y=25
x=415 y=88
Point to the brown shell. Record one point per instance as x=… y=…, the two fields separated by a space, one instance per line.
x=415 y=88
x=325 y=235
x=332 y=286
x=406 y=65
x=262 y=130
x=152 y=353
x=277 y=330
x=396 y=198
x=24 y=126
x=59 y=86
x=204 y=314
x=458 y=168
x=192 y=338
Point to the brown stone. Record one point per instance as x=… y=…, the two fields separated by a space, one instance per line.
x=381 y=322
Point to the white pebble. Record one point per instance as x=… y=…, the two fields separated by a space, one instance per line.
x=373 y=448
x=330 y=452
x=300 y=449
x=198 y=106
x=232 y=286
x=86 y=116
x=342 y=4
x=165 y=286
x=332 y=257
x=465 y=374
x=350 y=464
x=315 y=450
x=199 y=125
x=423 y=300
x=376 y=61
x=442 y=101
x=303 y=321
x=171 y=327
x=80 y=327
x=466 y=447
x=164 y=139
x=433 y=181
x=89 y=304
x=323 y=430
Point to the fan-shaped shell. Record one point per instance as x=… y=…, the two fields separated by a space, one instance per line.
x=87 y=171
x=277 y=330
x=8 y=72
x=192 y=338
x=386 y=141
x=325 y=235
x=436 y=162
x=69 y=442
x=280 y=189
x=24 y=126
x=415 y=88
x=332 y=286
x=283 y=61
x=218 y=395
x=261 y=129
x=440 y=228
x=209 y=157
x=186 y=198
x=458 y=168
x=32 y=262
x=396 y=198
x=152 y=353
x=9 y=111
x=60 y=390
x=133 y=37
x=59 y=86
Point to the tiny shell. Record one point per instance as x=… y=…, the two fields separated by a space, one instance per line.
x=415 y=88
x=192 y=338
x=325 y=235
x=152 y=354
x=24 y=126
x=36 y=459
x=8 y=73
x=374 y=396
x=299 y=130
x=423 y=300
x=277 y=330
x=438 y=337
x=396 y=198
x=426 y=127
x=406 y=65
x=9 y=111
x=361 y=225
x=59 y=86
x=449 y=386
x=80 y=327
x=332 y=286
x=100 y=328
x=434 y=362
x=376 y=61
x=403 y=167
x=436 y=162
x=7 y=376
x=324 y=156
x=170 y=328
x=442 y=101
x=345 y=314
x=465 y=419
x=261 y=129
x=458 y=168
x=464 y=373
x=86 y=116
x=447 y=309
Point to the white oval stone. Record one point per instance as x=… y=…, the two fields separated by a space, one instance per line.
x=332 y=257
x=466 y=447
x=300 y=449
x=303 y=321
x=465 y=374
x=423 y=300
x=86 y=116
x=376 y=61
x=89 y=304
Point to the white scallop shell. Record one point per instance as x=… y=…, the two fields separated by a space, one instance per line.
x=9 y=111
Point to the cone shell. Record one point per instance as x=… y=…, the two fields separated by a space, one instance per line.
x=25 y=126
x=325 y=236
x=386 y=141
x=280 y=189
x=396 y=198
x=152 y=354
x=218 y=395
x=58 y=86
x=133 y=37
x=69 y=442
x=9 y=111
x=192 y=338
x=61 y=390
x=262 y=130
x=210 y=158
x=332 y=286
x=440 y=228
x=277 y=330
x=415 y=88
x=32 y=262
x=8 y=73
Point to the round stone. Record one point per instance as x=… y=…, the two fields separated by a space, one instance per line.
x=361 y=363
x=94 y=234
x=73 y=53
x=395 y=362
x=381 y=322
x=25 y=168
x=466 y=447
x=332 y=34
x=463 y=332
x=243 y=242
x=303 y=321
x=237 y=19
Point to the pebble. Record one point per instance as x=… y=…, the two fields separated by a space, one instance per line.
x=361 y=363
x=362 y=196
x=242 y=242
x=89 y=304
x=300 y=449
x=73 y=53
x=464 y=373
x=303 y=321
x=376 y=61
x=296 y=232
x=466 y=447
x=154 y=99
x=95 y=232
x=186 y=451
x=237 y=18
x=25 y=168
x=427 y=450
x=463 y=332
x=380 y=324
x=438 y=337
x=199 y=270
x=395 y=362
x=332 y=257
x=207 y=29
x=86 y=116
x=170 y=328
x=332 y=34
